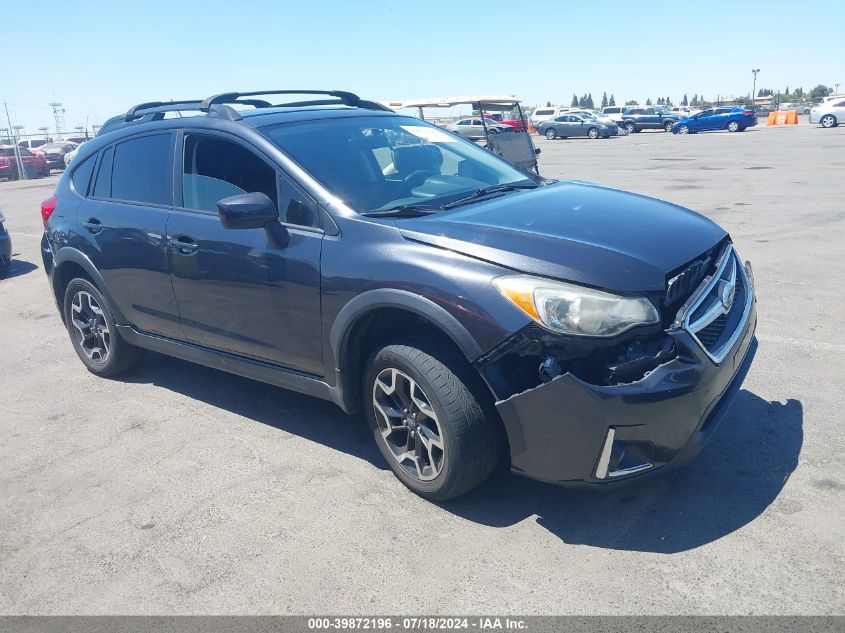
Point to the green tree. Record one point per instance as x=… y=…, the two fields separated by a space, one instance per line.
x=574 y=103
x=603 y=100
x=820 y=91
x=685 y=101
x=668 y=101
x=612 y=101
x=632 y=102
x=648 y=101
x=659 y=100
x=590 y=104
x=548 y=104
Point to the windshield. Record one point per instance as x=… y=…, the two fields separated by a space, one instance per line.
x=384 y=162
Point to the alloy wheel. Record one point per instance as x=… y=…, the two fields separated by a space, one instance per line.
x=684 y=129
x=408 y=424
x=828 y=120
x=92 y=330
x=733 y=126
x=550 y=134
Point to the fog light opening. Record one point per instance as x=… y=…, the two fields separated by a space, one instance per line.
x=620 y=458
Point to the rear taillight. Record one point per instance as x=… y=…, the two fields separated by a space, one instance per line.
x=47 y=208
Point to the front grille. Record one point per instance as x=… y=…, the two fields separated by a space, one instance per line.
x=710 y=334
x=718 y=313
x=682 y=284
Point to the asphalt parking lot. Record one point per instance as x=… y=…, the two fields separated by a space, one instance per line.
x=182 y=490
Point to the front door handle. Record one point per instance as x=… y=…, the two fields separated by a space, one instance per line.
x=183 y=244
x=93 y=225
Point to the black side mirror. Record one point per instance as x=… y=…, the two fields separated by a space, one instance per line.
x=253 y=211
x=246 y=211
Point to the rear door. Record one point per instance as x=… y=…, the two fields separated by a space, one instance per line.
x=236 y=290
x=122 y=229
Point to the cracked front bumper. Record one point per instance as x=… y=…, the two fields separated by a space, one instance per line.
x=559 y=431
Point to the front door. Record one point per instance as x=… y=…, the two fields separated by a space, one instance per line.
x=236 y=289
x=123 y=222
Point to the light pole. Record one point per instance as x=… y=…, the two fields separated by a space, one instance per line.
x=754 y=87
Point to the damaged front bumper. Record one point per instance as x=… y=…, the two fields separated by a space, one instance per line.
x=568 y=431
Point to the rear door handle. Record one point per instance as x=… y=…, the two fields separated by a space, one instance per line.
x=183 y=244
x=93 y=225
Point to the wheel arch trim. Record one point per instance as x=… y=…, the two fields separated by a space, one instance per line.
x=372 y=300
x=68 y=254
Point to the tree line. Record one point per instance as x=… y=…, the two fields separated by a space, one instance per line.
x=586 y=101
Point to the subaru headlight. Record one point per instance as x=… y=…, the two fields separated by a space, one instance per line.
x=572 y=309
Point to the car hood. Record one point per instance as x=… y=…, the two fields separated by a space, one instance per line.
x=576 y=232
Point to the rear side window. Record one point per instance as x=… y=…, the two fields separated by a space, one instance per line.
x=82 y=175
x=102 y=188
x=142 y=171
x=544 y=112
x=214 y=168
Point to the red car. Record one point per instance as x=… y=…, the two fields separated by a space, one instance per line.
x=516 y=124
x=34 y=164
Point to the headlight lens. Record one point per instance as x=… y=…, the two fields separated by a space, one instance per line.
x=572 y=309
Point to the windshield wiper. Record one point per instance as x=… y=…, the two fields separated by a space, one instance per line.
x=486 y=191
x=403 y=211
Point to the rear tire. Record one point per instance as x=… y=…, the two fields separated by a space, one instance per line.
x=93 y=333
x=667 y=127
x=734 y=126
x=551 y=134
x=828 y=121
x=425 y=409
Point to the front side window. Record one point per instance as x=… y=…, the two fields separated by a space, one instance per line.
x=214 y=168
x=142 y=170
x=375 y=163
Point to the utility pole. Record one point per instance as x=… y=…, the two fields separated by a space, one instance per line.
x=17 y=150
x=754 y=86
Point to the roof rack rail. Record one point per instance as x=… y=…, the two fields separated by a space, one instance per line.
x=346 y=98
x=135 y=112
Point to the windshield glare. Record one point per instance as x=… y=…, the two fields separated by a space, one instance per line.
x=382 y=162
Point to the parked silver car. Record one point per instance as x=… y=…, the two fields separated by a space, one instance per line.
x=472 y=128
x=567 y=125
x=829 y=113
x=598 y=116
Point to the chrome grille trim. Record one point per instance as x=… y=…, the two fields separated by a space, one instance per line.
x=708 y=288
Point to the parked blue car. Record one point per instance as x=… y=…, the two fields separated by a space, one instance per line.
x=730 y=118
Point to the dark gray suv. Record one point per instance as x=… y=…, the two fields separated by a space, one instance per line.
x=475 y=314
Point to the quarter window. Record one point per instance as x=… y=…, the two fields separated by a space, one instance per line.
x=296 y=207
x=82 y=175
x=142 y=171
x=214 y=168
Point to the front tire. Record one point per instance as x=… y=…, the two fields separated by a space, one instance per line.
x=828 y=121
x=427 y=420
x=93 y=333
x=593 y=132
x=630 y=127
x=684 y=129
x=551 y=134
x=734 y=126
